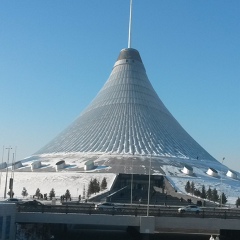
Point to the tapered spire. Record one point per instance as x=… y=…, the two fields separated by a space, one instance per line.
x=130 y=26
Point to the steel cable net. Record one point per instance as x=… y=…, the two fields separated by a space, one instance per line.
x=127 y=117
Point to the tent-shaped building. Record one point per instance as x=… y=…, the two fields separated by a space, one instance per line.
x=127 y=117
x=127 y=130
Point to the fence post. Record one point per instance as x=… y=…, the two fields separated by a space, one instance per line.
x=136 y=211
x=90 y=210
x=159 y=212
x=66 y=208
x=113 y=210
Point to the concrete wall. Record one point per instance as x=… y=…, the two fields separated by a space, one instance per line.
x=195 y=225
x=72 y=218
x=144 y=224
x=89 y=165
x=7 y=221
x=35 y=165
x=60 y=165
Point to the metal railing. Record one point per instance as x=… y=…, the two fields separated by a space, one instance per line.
x=140 y=210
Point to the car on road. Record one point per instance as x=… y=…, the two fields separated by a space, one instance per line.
x=12 y=200
x=108 y=206
x=190 y=208
x=33 y=203
x=32 y=206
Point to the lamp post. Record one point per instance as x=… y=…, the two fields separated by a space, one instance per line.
x=132 y=176
x=5 y=190
x=11 y=178
x=221 y=192
x=1 y=167
x=131 y=182
x=149 y=176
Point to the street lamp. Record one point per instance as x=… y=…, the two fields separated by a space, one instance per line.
x=1 y=167
x=132 y=176
x=132 y=145
x=12 y=177
x=5 y=190
x=149 y=175
x=221 y=192
x=131 y=187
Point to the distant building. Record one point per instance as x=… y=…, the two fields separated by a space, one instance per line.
x=232 y=174
x=7 y=221
x=3 y=165
x=89 y=165
x=127 y=129
x=17 y=165
x=212 y=172
x=126 y=117
x=187 y=170
x=36 y=165
x=60 y=165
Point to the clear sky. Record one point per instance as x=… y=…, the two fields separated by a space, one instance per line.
x=56 y=55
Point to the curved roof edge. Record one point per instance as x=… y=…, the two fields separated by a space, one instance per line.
x=129 y=53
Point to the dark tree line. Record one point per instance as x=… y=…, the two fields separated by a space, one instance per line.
x=24 y=192
x=94 y=186
x=52 y=194
x=210 y=194
x=238 y=202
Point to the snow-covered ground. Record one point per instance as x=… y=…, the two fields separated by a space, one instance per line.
x=230 y=186
x=74 y=178
x=60 y=181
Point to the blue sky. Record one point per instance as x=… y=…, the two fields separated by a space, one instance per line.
x=56 y=55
